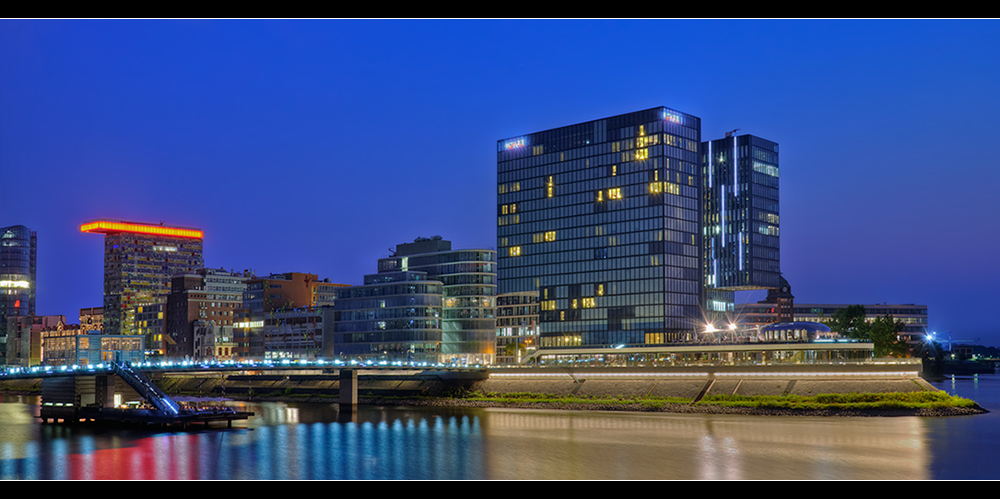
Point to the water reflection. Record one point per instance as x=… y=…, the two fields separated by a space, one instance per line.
x=603 y=446
x=304 y=442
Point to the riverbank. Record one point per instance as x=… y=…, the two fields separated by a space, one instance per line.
x=804 y=391
x=945 y=406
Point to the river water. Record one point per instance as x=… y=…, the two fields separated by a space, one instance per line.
x=311 y=441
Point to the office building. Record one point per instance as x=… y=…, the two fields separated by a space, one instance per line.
x=24 y=338
x=18 y=254
x=517 y=326
x=603 y=220
x=149 y=321
x=393 y=316
x=740 y=220
x=468 y=276
x=212 y=296
x=265 y=297
x=296 y=333
x=139 y=260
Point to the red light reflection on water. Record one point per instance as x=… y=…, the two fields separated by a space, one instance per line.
x=170 y=457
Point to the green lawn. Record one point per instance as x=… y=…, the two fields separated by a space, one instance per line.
x=895 y=400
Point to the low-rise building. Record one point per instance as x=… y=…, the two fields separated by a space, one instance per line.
x=393 y=316
x=70 y=344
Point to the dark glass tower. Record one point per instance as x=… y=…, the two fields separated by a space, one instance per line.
x=602 y=219
x=741 y=250
x=18 y=253
x=741 y=213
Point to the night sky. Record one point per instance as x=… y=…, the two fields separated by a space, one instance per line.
x=315 y=146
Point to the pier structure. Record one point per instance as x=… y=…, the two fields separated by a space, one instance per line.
x=101 y=398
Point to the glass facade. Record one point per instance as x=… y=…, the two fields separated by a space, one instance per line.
x=18 y=254
x=517 y=326
x=393 y=316
x=741 y=213
x=468 y=278
x=602 y=219
x=83 y=349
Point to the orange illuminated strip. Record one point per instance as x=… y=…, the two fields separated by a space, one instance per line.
x=106 y=227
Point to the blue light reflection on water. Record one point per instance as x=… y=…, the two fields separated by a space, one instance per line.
x=428 y=448
x=967 y=447
x=311 y=441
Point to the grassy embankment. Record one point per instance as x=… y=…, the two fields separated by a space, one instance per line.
x=851 y=401
x=895 y=400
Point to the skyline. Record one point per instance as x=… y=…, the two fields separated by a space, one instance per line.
x=355 y=136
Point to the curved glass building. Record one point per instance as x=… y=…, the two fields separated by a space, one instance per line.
x=392 y=316
x=18 y=250
x=468 y=277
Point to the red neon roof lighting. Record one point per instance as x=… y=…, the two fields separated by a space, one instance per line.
x=116 y=227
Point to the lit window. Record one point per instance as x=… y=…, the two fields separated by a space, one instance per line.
x=615 y=193
x=589 y=303
x=550 y=236
x=514 y=251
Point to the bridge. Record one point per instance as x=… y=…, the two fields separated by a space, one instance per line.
x=87 y=388
x=90 y=393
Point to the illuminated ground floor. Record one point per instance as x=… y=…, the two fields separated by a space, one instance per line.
x=706 y=355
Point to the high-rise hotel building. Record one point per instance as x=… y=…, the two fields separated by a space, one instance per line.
x=139 y=260
x=740 y=225
x=603 y=220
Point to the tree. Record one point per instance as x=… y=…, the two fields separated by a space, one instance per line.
x=884 y=333
x=850 y=322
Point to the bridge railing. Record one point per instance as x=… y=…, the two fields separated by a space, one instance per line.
x=145 y=387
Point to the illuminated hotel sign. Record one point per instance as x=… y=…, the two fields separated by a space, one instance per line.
x=673 y=117
x=109 y=227
x=15 y=284
x=511 y=144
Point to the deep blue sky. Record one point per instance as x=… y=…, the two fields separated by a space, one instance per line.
x=314 y=146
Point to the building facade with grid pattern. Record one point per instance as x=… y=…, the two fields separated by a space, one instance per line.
x=603 y=220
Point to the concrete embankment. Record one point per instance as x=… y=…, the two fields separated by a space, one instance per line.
x=641 y=389
x=688 y=383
